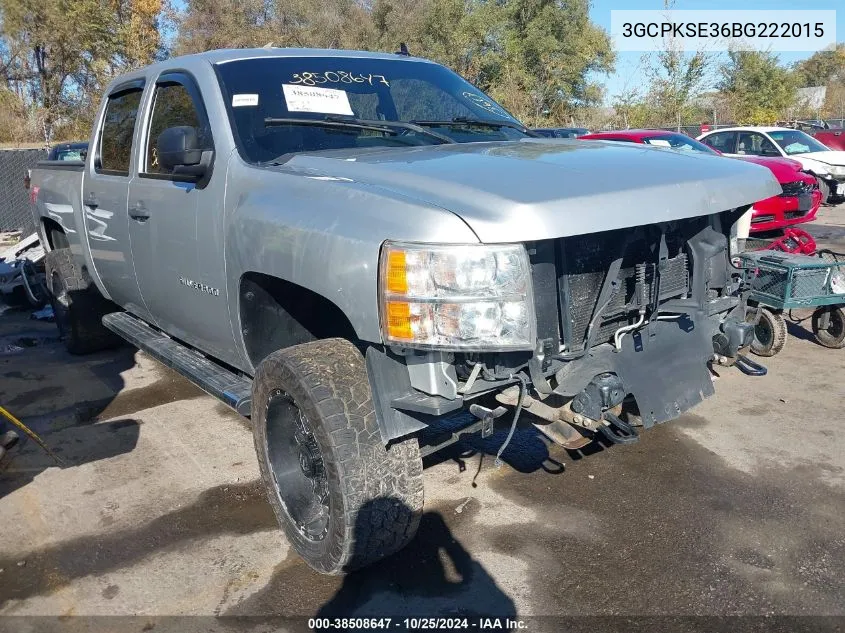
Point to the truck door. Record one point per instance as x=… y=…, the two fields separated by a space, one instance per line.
x=105 y=188
x=176 y=227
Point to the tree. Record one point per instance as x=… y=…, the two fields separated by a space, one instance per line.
x=758 y=89
x=549 y=51
x=208 y=24
x=821 y=68
x=631 y=110
x=461 y=34
x=675 y=81
x=56 y=55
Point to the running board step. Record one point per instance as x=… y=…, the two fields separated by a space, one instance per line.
x=223 y=384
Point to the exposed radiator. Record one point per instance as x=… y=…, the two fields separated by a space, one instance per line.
x=586 y=261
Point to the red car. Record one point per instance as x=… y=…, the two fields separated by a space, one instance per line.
x=798 y=203
x=834 y=138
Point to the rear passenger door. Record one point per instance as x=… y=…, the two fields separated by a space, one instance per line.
x=105 y=189
x=176 y=226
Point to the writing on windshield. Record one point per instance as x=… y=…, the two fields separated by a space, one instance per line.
x=336 y=77
x=282 y=105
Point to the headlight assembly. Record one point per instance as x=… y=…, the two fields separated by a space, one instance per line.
x=837 y=170
x=472 y=297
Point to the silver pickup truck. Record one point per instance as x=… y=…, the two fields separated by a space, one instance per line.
x=360 y=250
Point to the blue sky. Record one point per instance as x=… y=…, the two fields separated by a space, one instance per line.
x=629 y=73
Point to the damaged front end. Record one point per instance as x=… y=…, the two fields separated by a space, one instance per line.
x=623 y=324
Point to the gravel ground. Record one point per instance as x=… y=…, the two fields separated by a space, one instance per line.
x=737 y=508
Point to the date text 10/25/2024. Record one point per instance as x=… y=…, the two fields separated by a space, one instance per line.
x=414 y=624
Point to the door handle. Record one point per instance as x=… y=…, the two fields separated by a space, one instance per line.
x=91 y=201
x=139 y=212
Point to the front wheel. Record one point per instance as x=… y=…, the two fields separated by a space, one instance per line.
x=343 y=499
x=829 y=326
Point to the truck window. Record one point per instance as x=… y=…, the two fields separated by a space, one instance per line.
x=725 y=142
x=172 y=106
x=117 y=130
x=418 y=99
x=755 y=144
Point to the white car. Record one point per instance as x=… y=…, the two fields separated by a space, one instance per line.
x=828 y=166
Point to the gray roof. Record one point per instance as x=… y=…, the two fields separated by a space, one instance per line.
x=223 y=55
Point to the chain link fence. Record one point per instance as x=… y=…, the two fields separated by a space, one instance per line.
x=15 y=207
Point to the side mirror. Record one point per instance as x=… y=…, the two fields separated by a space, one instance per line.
x=178 y=149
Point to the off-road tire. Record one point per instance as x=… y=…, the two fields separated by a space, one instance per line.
x=769 y=334
x=79 y=321
x=375 y=495
x=834 y=336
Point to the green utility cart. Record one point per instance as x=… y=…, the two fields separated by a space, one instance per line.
x=784 y=281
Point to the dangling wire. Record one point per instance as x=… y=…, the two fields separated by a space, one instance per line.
x=523 y=387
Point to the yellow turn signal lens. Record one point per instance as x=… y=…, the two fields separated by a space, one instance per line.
x=397 y=277
x=399 y=320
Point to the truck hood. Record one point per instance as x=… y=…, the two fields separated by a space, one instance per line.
x=542 y=188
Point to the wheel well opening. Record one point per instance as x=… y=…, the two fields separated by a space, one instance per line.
x=49 y=227
x=275 y=314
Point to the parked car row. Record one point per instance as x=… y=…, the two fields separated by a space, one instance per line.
x=561 y=132
x=798 y=201
x=821 y=152
x=828 y=166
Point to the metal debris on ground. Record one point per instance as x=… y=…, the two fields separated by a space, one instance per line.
x=23 y=256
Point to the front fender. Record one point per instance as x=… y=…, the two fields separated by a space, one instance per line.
x=323 y=234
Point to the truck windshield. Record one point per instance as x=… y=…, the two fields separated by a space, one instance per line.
x=262 y=93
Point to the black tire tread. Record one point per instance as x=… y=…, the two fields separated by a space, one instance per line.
x=777 y=325
x=85 y=332
x=387 y=484
x=824 y=337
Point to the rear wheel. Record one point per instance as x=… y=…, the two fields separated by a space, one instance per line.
x=769 y=333
x=829 y=326
x=343 y=499
x=77 y=305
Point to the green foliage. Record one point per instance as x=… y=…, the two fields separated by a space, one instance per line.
x=56 y=55
x=675 y=79
x=549 y=51
x=758 y=89
x=822 y=68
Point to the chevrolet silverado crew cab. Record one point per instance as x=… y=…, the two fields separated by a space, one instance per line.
x=357 y=250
